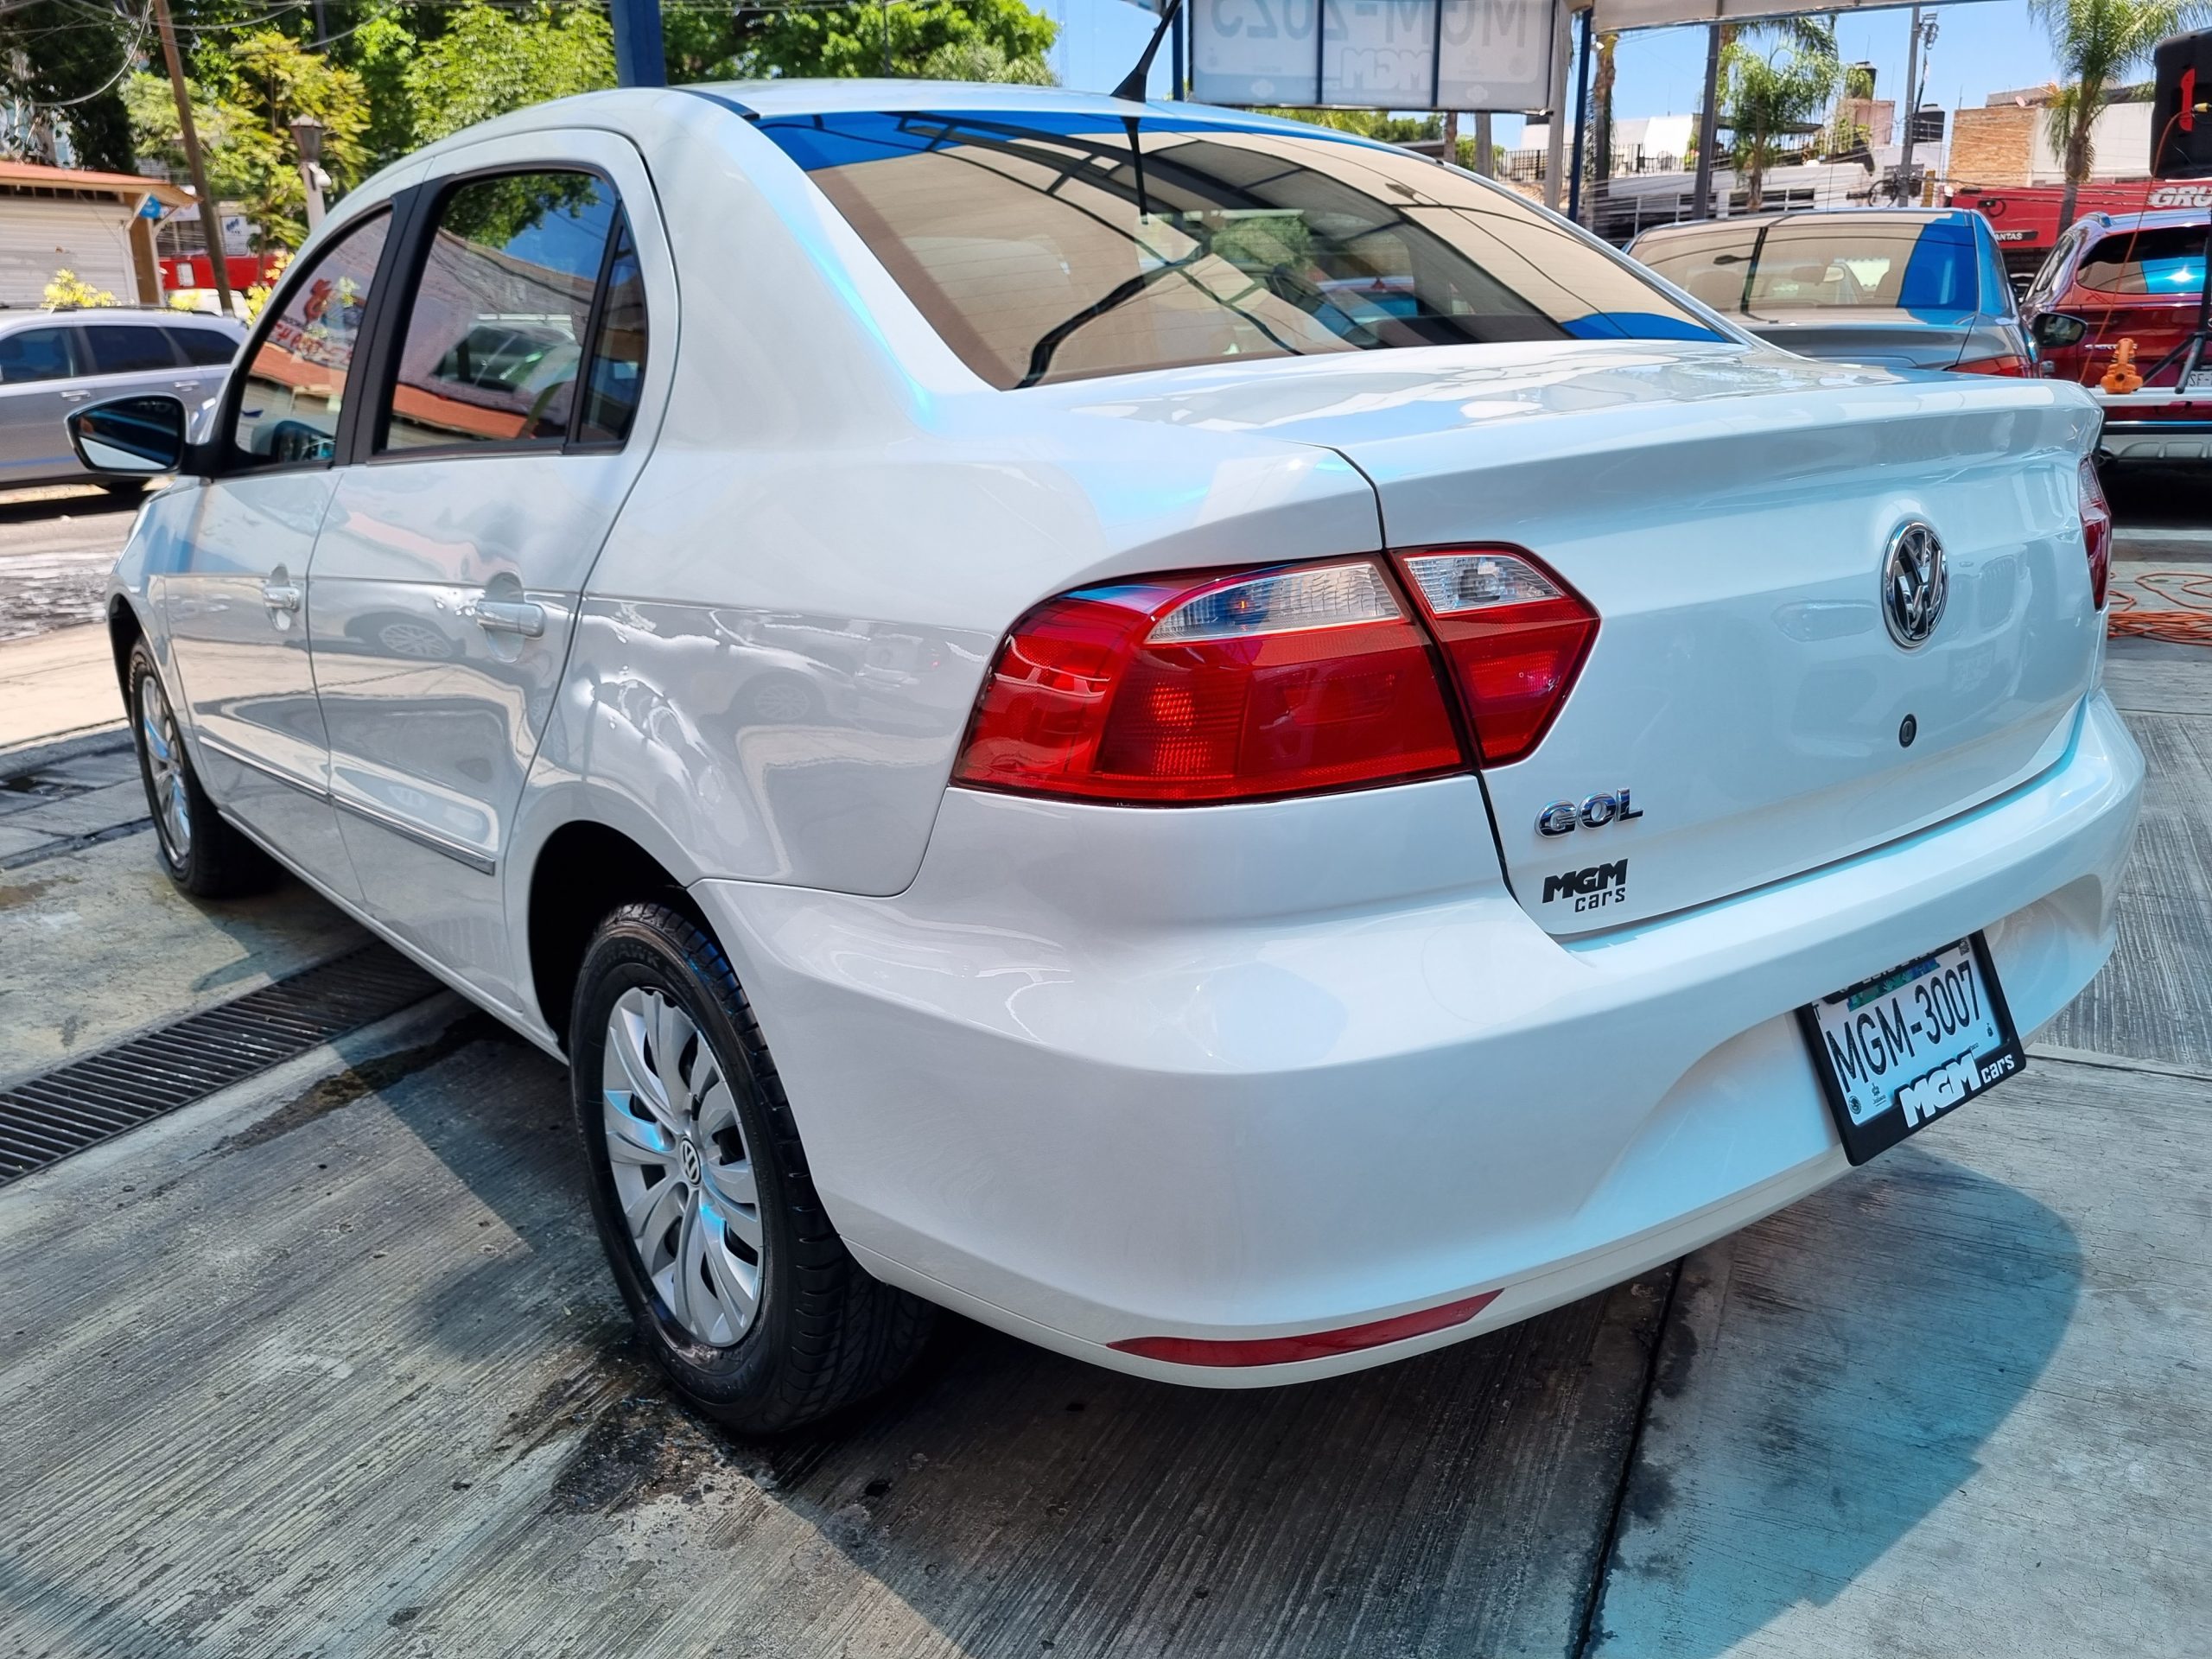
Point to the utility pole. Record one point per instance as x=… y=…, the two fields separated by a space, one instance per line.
x=1451 y=137
x=1708 y=125
x=1905 y=191
x=1485 y=155
x=640 y=57
x=211 y=211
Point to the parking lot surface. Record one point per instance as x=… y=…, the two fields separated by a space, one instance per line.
x=328 y=1363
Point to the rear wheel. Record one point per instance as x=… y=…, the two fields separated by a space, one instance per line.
x=740 y=1289
x=203 y=854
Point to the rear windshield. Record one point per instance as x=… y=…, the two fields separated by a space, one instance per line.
x=1842 y=263
x=1056 y=248
x=2165 y=261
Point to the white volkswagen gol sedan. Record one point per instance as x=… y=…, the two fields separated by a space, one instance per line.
x=1209 y=742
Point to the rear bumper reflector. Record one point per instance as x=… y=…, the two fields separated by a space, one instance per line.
x=1313 y=1345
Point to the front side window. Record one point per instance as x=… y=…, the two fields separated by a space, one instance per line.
x=31 y=354
x=129 y=349
x=496 y=334
x=1843 y=263
x=2167 y=260
x=1046 y=248
x=294 y=389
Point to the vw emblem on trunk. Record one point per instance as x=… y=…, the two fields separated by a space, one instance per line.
x=1914 y=584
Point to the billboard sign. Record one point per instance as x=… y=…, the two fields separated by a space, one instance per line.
x=1374 y=55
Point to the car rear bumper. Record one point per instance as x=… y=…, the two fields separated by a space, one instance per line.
x=2157 y=439
x=1247 y=1072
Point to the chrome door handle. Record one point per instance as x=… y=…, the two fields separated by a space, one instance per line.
x=506 y=616
x=74 y=397
x=280 y=595
x=186 y=385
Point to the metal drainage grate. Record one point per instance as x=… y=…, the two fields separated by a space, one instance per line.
x=82 y=1103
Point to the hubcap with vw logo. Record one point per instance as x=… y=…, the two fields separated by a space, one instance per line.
x=1914 y=584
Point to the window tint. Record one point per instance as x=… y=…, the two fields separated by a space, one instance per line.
x=618 y=348
x=495 y=335
x=1053 y=247
x=204 y=348
x=129 y=349
x=294 y=389
x=1844 y=263
x=2169 y=260
x=35 y=354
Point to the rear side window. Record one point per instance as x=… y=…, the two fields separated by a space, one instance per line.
x=1046 y=248
x=204 y=348
x=2169 y=260
x=129 y=349
x=498 y=328
x=618 y=354
x=35 y=354
x=294 y=388
x=1844 y=262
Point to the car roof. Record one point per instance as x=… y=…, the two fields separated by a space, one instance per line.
x=1856 y=215
x=827 y=97
x=2163 y=219
x=77 y=317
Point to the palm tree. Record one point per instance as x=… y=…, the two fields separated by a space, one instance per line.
x=2096 y=42
x=1768 y=96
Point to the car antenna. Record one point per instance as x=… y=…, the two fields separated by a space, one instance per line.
x=1133 y=84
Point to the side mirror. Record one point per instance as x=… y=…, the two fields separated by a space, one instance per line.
x=2056 y=329
x=136 y=436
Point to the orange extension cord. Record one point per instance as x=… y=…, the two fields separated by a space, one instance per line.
x=2188 y=619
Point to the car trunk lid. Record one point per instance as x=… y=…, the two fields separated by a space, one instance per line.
x=1727 y=513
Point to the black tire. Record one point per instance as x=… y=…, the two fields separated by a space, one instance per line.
x=213 y=860
x=824 y=1334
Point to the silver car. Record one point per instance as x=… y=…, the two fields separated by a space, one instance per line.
x=52 y=362
x=1903 y=289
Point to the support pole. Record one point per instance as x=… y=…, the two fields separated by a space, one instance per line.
x=639 y=58
x=1485 y=152
x=1708 y=126
x=1581 y=117
x=211 y=211
x=1905 y=191
x=1175 y=82
x=1555 y=130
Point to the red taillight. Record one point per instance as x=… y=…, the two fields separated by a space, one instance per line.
x=2013 y=365
x=1180 y=689
x=1315 y=1345
x=2096 y=532
x=1515 y=635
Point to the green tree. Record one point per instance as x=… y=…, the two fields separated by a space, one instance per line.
x=1768 y=97
x=976 y=59
x=2096 y=43
x=489 y=60
x=269 y=80
x=65 y=71
x=1378 y=125
x=898 y=40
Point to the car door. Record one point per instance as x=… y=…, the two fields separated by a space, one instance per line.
x=448 y=571
x=235 y=601
x=206 y=353
x=40 y=384
x=128 y=357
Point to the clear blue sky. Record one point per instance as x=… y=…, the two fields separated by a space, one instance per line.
x=1982 y=47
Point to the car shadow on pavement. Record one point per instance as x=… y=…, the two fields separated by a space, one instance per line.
x=1825 y=1381
x=37 y=507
